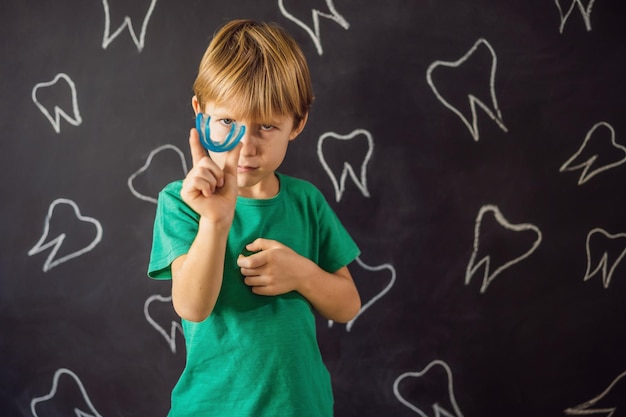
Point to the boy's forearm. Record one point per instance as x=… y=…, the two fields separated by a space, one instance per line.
x=333 y=295
x=197 y=276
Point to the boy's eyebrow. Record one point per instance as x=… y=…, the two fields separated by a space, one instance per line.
x=221 y=115
x=224 y=112
x=220 y=112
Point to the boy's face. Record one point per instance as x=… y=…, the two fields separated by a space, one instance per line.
x=264 y=147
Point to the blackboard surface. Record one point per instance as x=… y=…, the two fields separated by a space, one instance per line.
x=476 y=150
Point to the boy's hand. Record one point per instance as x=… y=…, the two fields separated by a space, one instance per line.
x=209 y=190
x=274 y=269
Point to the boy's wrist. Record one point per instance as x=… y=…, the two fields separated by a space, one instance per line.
x=209 y=224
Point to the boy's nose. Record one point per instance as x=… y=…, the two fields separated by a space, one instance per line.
x=249 y=148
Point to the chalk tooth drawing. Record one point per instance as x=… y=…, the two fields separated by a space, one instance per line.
x=584 y=11
x=604 y=266
x=57 y=242
x=315 y=32
x=485 y=262
x=145 y=167
x=392 y=280
x=128 y=23
x=439 y=411
x=170 y=337
x=78 y=408
x=586 y=160
x=601 y=405
x=361 y=179
x=74 y=119
x=494 y=113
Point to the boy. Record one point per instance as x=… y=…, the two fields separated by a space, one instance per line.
x=251 y=252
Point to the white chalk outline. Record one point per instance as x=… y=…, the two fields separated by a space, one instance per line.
x=584 y=11
x=584 y=408
x=439 y=412
x=315 y=32
x=603 y=263
x=474 y=101
x=586 y=165
x=55 y=382
x=76 y=120
x=58 y=241
x=488 y=278
x=378 y=296
x=128 y=23
x=340 y=185
x=145 y=167
x=171 y=337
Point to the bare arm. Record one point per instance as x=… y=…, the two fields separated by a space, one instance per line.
x=197 y=276
x=277 y=269
x=212 y=193
x=334 y=295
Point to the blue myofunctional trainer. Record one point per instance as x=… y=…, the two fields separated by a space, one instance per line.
x=231 y=139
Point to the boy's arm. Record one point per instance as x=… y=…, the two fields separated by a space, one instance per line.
x=212 y=193
x=197 y=275
x=277 y=269
x=334 y=295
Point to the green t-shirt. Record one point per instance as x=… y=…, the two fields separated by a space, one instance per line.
x=254 y=356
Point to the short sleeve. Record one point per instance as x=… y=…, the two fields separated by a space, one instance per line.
x=337 y=248
x=175 y=228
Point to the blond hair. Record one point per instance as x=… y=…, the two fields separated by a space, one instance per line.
x=258 y=68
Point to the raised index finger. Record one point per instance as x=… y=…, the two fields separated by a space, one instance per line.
x=197 y=150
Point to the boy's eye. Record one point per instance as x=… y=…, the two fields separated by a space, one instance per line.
x=267 y=127
x=227 y=122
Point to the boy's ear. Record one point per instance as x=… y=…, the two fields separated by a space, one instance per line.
x=195 y=104
x=299 y=127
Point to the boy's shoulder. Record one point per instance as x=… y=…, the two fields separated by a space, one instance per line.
x=173 y=187
x=170 y=194
x=295 y=185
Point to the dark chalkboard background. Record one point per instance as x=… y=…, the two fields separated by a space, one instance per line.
x=89 y=331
